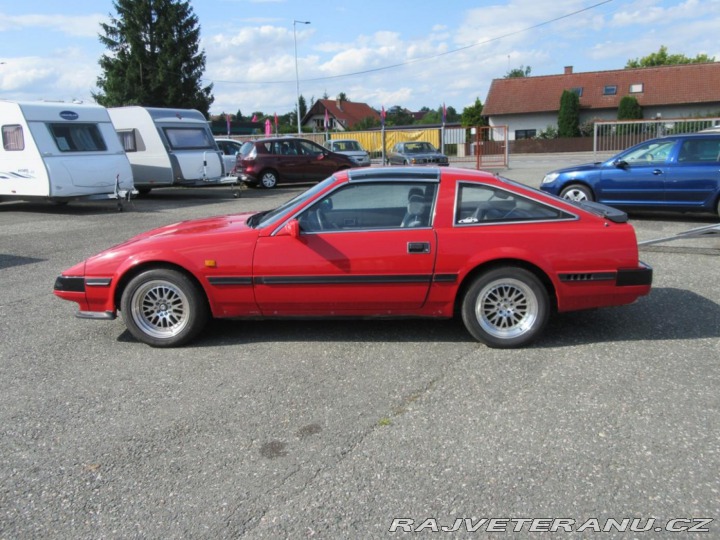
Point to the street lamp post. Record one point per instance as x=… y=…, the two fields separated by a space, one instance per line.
x=297 y=76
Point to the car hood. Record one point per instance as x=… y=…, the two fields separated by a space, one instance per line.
x=184 y=233
x=195 y=227
x=578 y=168
x=352 y=153
x=425 y=155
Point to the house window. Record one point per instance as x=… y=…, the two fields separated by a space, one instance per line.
x=636 y=88
x=525 y=134
x=577 y=90
x=610 y=90
x=12 y=137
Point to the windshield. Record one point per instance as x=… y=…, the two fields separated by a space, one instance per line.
x=288 y=207
x=419 y=148
x=347 y=146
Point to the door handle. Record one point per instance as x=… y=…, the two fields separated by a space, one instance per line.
x=418 y=247
x=657 y=172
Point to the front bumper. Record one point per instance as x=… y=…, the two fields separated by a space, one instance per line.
x=92 y=295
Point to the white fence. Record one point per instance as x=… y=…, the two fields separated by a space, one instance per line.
x=614 y=136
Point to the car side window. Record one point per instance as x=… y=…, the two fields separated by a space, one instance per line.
x=700 y=151
x=650 y=153
x=481 y=204
x=308 y=149
x=386 y=205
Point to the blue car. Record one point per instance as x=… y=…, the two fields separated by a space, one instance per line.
x=679 y=172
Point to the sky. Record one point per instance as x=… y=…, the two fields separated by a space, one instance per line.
x=410 y=53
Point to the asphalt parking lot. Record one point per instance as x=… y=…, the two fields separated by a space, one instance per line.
x=292 y=429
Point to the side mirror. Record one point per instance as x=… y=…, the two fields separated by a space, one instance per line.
x=292 y=228
x=621 y=164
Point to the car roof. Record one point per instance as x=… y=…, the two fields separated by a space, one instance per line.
x=431 y=174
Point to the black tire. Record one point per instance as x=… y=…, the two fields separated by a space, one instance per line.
x=717 y=207
x=268 y=179
x=577 y=192
x=506 y=308
x=164 y=308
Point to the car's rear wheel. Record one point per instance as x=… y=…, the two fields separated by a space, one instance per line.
x=268 y=179
x=577 y=192
x=506 y=307
x=163 y=308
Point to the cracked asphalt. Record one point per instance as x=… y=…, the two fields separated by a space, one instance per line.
x=332 y=429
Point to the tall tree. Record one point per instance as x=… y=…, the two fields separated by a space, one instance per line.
x=662 y=58
x=472 y=115
x=569 y=115
x=155 y=58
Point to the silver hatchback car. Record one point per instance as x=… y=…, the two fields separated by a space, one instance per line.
x=351 y=148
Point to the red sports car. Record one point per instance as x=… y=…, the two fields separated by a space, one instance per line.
x=390 y=242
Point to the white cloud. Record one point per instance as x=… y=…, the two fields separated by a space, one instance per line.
x=79 y=26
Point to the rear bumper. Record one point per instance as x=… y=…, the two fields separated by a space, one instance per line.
x=643 y=275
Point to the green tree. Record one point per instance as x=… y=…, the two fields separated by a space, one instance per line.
x=397 y=116
x=569 y=115
x=154 y=59
x=629 y=109
x=367 y=123
x=662 y=58
x=472 y=115
x=522 y=71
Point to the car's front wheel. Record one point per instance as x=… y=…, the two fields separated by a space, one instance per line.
x=577 y=192
x=506 y=307
x=163 y=308
x=269 y=179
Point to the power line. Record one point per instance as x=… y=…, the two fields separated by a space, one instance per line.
x=432 y=57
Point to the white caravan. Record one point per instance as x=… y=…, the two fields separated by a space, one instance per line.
x=169 y=147
x=61 y=152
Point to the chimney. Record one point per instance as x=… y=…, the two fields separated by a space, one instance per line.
x=338 y=103
x=568 y=70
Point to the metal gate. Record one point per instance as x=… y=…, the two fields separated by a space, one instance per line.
x=482 y=147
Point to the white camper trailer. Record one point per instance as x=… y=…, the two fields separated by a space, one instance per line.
x=169 y=147
x=61 y=152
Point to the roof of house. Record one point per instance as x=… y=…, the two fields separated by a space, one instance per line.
x=348 y=113
x=664 y=85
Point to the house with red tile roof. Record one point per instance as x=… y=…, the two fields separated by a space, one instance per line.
x=342 y=115
x=528 y=105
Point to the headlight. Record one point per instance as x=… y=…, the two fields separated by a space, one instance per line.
x=550 y=177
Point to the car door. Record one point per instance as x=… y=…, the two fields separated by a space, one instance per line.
x=314 y=163
x=694 y=179
x=637 y=178
x=360 y=261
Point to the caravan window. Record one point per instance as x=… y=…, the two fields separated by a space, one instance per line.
x=13 y=138
x=127 y=140
x=187 y=138
x=77 y=137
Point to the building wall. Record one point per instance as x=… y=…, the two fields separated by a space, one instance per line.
x=540 y=121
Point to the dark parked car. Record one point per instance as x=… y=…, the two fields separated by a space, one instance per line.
x=267 y=162
x=679 y=172
x=416 y=153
